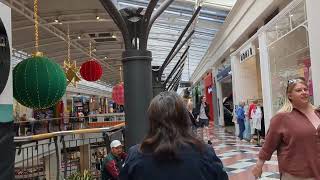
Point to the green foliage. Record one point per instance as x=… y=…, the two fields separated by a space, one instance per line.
x=78 y=176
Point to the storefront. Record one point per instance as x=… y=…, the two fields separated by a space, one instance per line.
x=223 y=82
x=196 y=93
x=285 y=54
x=245 y=66
x=208 y=83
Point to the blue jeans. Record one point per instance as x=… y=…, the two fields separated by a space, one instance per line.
x=247 y=132
x=241 y=128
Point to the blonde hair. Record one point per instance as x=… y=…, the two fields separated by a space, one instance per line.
x=287 y=105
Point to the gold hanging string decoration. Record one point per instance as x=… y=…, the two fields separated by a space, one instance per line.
x=36 y=28
x=90 y=49
x=121 y=78
x=71 y=69
x=69 y=44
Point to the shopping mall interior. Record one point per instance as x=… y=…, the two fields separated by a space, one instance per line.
x=76 y=75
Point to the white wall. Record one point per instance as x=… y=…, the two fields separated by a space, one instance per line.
x=220 y=104
x=245 y=80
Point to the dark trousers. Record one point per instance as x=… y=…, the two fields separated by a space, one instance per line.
x=241 y=128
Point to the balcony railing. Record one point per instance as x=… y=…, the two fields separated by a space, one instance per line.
x=33 y=127
x=57 y=154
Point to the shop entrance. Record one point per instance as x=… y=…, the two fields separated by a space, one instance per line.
x=227 y=101
x=247 y=85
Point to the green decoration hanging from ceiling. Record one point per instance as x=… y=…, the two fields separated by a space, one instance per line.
x=38 y=82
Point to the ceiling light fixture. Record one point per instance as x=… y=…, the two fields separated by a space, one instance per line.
x=56 y=20
x=114 y=36
x=98 y=17
x=79 y=37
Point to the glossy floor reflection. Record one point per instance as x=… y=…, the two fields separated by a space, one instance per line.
x=239 y=157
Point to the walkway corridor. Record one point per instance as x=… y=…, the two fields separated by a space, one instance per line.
x=239 y=157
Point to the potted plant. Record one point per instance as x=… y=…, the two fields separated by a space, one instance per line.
x=78 y=176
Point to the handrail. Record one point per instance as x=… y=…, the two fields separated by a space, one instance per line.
x=73 y=117
x=71 y=132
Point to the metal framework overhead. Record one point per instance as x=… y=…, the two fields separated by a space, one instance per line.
x=88 y=20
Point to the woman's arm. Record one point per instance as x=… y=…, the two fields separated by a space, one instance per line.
x=257 y=169
x=273 y=140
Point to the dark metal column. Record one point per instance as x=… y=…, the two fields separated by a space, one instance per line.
x=135 y=24
x=138 y=93
x=157 y=84
x=7 y=150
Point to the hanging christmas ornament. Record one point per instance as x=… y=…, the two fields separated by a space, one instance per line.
x=71 y=69
x=91 y=70
x=118 y=91
x=38 y=82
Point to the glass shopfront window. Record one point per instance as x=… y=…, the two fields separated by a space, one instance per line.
x=289 y=54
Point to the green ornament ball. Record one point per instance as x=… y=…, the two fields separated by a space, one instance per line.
x=38 y=82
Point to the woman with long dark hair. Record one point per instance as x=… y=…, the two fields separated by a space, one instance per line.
x=170 y=150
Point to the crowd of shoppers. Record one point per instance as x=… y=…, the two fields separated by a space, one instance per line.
x=250 y=120
x=172 y=151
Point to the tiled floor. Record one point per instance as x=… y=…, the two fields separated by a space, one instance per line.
x=239 y=157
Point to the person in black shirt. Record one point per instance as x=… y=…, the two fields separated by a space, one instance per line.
x=170 y=150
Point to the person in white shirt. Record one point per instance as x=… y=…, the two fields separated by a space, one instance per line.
x=202 y=114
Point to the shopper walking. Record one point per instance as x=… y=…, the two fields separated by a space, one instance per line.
x=202 y=116
x=241 y=119
x=256 y=119
x=247 y=131
x=251 y=111
x=295 y=133
x=170 y=150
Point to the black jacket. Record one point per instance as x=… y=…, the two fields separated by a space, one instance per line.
x=192 y=165
x=197 y=110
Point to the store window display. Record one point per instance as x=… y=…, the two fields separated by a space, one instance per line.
x=289 y=53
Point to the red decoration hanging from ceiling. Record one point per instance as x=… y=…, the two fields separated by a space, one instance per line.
x=118 y=93
x=91 y=70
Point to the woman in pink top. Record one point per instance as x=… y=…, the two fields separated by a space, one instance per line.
x=295 y=133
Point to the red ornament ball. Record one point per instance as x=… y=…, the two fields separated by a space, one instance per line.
x=118 y=94
x=91 y=70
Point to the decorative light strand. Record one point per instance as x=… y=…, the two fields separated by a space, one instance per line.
x=90 y=49
x=69 y=46
x=121 y=78
x=36 y=24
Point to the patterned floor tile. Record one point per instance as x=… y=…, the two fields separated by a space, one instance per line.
x=240 y=157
